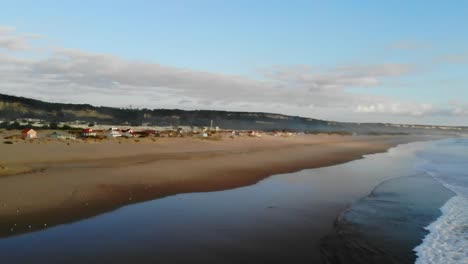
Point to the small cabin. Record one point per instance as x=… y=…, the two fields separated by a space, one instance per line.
x=113 y=134
x=29 y=133
x=88 y=132
x=254 y=133
x=128 y=133
x=57 y=135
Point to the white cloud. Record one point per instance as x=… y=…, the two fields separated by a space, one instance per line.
x=68 y=70
x=398 y=108
x=12 y=41
x=76 y=76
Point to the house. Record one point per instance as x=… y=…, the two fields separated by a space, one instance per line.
x=254 y=133
x=148 y=133
x=57 y=135
x=29 y=133
x=277 y=133
x=168 y=133
x=88 y=132
x=128 y=133
x=113 y=134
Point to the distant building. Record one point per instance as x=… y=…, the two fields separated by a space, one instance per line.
x=57 y=135
x=113 y=134
x=88 y=132
x=29 y=133
x=254 y=133
x=128 y=133
x=149 y=133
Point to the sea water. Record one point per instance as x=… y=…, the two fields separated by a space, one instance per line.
x=420 y=215
x=447 y=241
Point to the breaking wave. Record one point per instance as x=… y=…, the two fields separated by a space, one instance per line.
x=447 y=241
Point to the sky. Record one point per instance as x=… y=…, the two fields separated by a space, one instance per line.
x=356 y=61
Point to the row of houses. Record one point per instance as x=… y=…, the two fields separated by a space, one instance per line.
x=115 y=132
x=30 y=133
x=130 y=133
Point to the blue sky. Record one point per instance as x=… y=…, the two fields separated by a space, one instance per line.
x=427 y=40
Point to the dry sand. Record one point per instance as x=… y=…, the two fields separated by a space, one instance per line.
x=45 y=183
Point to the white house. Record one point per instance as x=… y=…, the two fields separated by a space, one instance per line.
x=57 y=135
x=29 y=133
x=113 y=134
x=128 y=133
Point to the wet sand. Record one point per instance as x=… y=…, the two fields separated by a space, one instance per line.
x=43 y=184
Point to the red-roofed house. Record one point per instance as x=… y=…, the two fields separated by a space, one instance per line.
x=88 y=132
x=29 y=133
x=128 y=133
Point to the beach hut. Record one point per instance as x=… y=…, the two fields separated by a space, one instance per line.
x=88 y=132
x=128 y=133
x=29 y=133
x=113 y=134
x=57 y=135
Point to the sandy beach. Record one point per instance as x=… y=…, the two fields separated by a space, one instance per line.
x=44 y=183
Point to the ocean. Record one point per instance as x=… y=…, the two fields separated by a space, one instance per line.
x=447 y=241
x=419 y=217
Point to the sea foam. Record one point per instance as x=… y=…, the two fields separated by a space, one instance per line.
x=447 y=241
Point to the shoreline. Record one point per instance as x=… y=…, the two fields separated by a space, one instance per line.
x=408 y=219
x=386 y=225
x=70 y=186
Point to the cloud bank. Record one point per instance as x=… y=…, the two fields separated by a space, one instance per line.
x=12 y=41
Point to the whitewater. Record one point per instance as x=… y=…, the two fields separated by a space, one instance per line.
x=447 y=240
